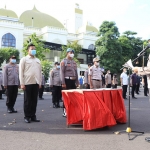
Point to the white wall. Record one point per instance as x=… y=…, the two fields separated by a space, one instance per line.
x=16 y=29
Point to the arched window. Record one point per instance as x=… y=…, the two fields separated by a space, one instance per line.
x=8 y=40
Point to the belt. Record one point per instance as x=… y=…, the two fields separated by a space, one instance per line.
x=96 y=80
x=71 y=78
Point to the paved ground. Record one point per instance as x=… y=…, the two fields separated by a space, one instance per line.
x=52 y=133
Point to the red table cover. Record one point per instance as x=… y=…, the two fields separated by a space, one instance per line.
x=96 y=108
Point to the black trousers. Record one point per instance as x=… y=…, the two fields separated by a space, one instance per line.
x=1 y=92
x=137 y=88
x=41 y=90
x=124 y=91
x=108 y=86
x=145 y=90
x=70 y=84
x=11 y=92
x=56 y=94
x=133 y=89
x=30 y=100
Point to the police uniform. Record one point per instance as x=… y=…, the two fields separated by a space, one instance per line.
x=115 y=81
x=108 y=80
x=86 y=79
x=96 y=76
x=1 y=83
x=30 y=76
x=41 y=90
x=55 y=82
x=11 y=82
x=69 y=75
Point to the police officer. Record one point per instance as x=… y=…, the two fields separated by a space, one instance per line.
x=30 y=79
x=68 y=72
x=41 y=90
x=95 y=75
x=108 y=79
x=55 y=83
x=1 y=83
x=115 y=81
x=11 y=83
x=86 y=76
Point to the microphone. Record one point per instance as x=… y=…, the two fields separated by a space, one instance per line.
x=147 y=47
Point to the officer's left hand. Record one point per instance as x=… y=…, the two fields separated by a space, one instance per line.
x=40 y=86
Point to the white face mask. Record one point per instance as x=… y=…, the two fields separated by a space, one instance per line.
x=97 y=63
x=71 y=55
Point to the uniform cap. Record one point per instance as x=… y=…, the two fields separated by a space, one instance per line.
x=96 y=59
x=13 y=57
x=70 y=50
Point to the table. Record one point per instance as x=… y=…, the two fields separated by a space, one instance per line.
x=94 y=108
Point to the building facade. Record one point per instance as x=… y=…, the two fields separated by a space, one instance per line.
x=15 y=30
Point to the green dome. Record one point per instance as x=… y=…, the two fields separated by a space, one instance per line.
x=40 y=19
x=8 y=13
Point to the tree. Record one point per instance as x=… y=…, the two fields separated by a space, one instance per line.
x=135 y=44
x=108 y=46
x=75 y=46
x=127 y=49
x=6 y=52
x=39 y=44
x=46 y=67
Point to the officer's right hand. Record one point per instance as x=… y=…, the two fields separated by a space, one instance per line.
x=5 y=87
x=51 y=86
x=64 y=86
x=23 y=87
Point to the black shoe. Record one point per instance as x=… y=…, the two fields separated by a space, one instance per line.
x=147 y=139
x=34 y=119
x=41 y=98
x=9 y=110
x=14 y=110
x=145 y=95
x=64 y=115
x=125 y=98
x=134 y=97
x=27 y=120
x=137 y=93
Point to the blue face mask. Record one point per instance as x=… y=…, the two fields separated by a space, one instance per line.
x=13 y=61
x=58 y=67
x=33 y=52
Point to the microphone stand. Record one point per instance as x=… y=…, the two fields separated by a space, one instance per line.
x=129 y=130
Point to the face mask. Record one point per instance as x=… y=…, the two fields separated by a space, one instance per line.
x=97 y=63
x=33 y=52
x=13 y=61
x=71 y=55
x=58 y=67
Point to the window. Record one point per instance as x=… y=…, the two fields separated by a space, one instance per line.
x=8 y=40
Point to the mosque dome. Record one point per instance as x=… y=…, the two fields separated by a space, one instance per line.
x=87 y=28
x=8 y=13
x=40 y=19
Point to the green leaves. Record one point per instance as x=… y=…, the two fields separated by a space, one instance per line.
x=46 y=67
x=5 y=54
x=108 y=47
x=39 y=44
x=74 y=45
x=114 y=49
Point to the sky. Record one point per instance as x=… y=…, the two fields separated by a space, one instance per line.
x=130 y=15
